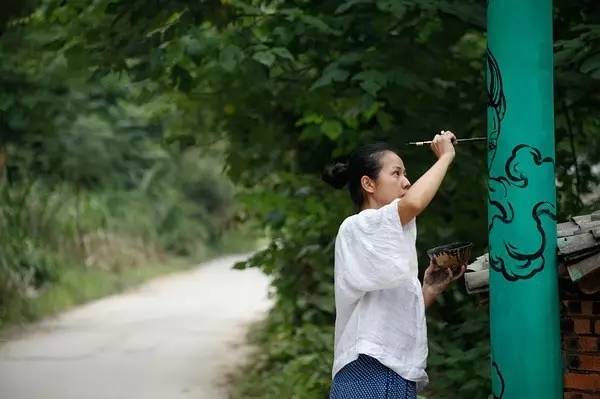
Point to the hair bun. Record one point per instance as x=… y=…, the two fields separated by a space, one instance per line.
x=336 y=175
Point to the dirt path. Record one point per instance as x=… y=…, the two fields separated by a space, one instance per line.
x=174 y=337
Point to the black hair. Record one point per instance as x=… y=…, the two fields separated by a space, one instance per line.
x=365 y=161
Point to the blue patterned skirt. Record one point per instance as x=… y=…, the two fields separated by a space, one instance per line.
x=367 y=378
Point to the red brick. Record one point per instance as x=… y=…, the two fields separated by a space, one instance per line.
x=582 y=326
x=589 y=344
x=584 y=362
x=583 y=382
x=573 y=344
x=588 y=308
x=580 y=395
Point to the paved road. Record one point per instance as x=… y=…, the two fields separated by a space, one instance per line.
x=174 y=337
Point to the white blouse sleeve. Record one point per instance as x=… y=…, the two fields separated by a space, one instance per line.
x=375 y=249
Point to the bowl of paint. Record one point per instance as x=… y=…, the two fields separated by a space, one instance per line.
x=452 y=255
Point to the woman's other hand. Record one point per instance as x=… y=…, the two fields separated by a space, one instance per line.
x=437 y=279
x=443 y=144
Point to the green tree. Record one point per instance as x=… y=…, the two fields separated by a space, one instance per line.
x=292 y=85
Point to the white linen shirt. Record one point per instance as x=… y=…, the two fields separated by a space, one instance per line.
x=379 y=303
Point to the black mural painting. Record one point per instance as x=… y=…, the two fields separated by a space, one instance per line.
x=525 y=261
x=498 y=386
x=497 y=103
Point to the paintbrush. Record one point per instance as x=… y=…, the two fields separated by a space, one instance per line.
x=421 y=143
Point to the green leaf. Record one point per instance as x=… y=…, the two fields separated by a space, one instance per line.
x=316 y=23
x=266 y=58
x=371 y=81
x=240 y=265
x=371 y=110
x=229 y=57
x=591 y=64
x=282 y=52
x=332 y=129
x=332 y=73
x=396 y=7
x=310 y=132
x=173 y=18
x=309 y=118
x=385 y=120
x=349 y=4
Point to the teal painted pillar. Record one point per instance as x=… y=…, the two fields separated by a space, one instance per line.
x=524 y=303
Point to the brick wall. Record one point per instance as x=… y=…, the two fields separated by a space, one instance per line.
x=580 y=330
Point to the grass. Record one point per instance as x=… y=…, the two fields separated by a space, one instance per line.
x=77 y=284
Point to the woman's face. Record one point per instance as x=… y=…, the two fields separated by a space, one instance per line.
x=392 y=182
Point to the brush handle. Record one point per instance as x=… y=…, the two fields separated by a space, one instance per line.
x=421 y=143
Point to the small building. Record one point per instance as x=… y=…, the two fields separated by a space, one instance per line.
x=578 y=251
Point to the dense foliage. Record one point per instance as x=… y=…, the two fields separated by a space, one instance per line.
x=292 y=85
x=87 y=181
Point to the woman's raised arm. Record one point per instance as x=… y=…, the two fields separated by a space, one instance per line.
x=421 y=192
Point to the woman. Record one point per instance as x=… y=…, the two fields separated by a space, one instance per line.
x=380 y=346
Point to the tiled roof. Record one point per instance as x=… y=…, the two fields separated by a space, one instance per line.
x=578 y=251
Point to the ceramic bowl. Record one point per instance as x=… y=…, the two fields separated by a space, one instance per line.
x=452 y=255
